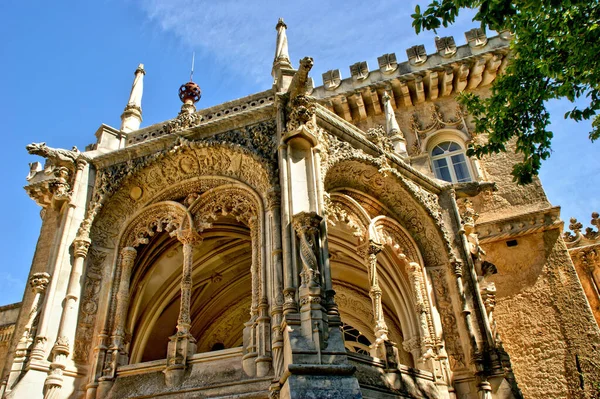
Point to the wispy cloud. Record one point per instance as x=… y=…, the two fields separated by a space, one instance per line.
x=240 y=35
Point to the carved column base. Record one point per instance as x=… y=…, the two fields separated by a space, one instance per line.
x=181 y=348
x=39 y=349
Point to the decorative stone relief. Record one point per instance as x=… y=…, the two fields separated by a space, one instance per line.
x=379 y=137
x=423 y=127
x=449 y=323
x=306 y=225
x=337 y=211
x=84 y=337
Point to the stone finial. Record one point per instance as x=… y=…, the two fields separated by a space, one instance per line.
x=360 y=70
x=476 y=37
x=445 y=46
x=391 y=126
x=282 y=56
x=332 y=79
x=132 y=115
x=416 y=54
x=387 y=63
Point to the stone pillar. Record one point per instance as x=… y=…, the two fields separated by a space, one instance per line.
x=182 y=345
x=66 y=330
x=115 y=354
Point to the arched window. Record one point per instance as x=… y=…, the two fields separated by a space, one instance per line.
x=354 y=341
x=449 y=162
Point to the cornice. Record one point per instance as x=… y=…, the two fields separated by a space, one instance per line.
x=520 y=225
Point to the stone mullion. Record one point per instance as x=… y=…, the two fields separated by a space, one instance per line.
x=182 y=345
x=62 y=349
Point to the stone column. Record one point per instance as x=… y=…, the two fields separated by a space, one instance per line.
x=380 y=328
x=38 y=282
x=416 y=279
x=66 y=330
x=115 y=354
x=250 y=340
x=277 y=296
x=182 y=345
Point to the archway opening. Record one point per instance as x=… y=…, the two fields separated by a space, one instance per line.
x=221 y=293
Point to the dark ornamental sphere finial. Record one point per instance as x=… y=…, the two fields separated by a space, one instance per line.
x=190 y=93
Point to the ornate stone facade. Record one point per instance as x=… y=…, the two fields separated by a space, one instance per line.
x=330 y=241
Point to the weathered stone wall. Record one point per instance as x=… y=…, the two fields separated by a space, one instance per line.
x=8 y=318
x=543 y=317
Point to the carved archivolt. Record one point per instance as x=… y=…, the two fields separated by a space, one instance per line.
x=368 y=183
x=164 y=216
x=132 y=185
x=395 y=237
x=340 y=208
x=225 y=201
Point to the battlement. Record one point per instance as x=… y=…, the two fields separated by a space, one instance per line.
x=423 y=77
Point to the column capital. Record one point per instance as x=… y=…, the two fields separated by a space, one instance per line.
x=128 y=253
x=374 y=248
x=189 y=236
x=81 y=163
x=81 y=247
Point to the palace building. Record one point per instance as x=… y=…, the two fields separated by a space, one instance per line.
x=306 y=241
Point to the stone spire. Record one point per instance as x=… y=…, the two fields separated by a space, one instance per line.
x=391 y=126
x=132 y=116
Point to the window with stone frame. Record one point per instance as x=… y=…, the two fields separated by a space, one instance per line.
x=450 y=162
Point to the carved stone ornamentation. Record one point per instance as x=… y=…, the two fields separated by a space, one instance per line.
x=307 y=229
x=449 y=322
x=380 y=138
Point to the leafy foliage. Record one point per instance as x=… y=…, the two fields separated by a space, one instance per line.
x=555 y=54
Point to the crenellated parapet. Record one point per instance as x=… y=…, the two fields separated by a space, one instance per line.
x=450 y=70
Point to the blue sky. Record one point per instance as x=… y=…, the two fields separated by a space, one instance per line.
x=67 y=67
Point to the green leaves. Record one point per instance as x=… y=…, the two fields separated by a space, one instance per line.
x=555 y=55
